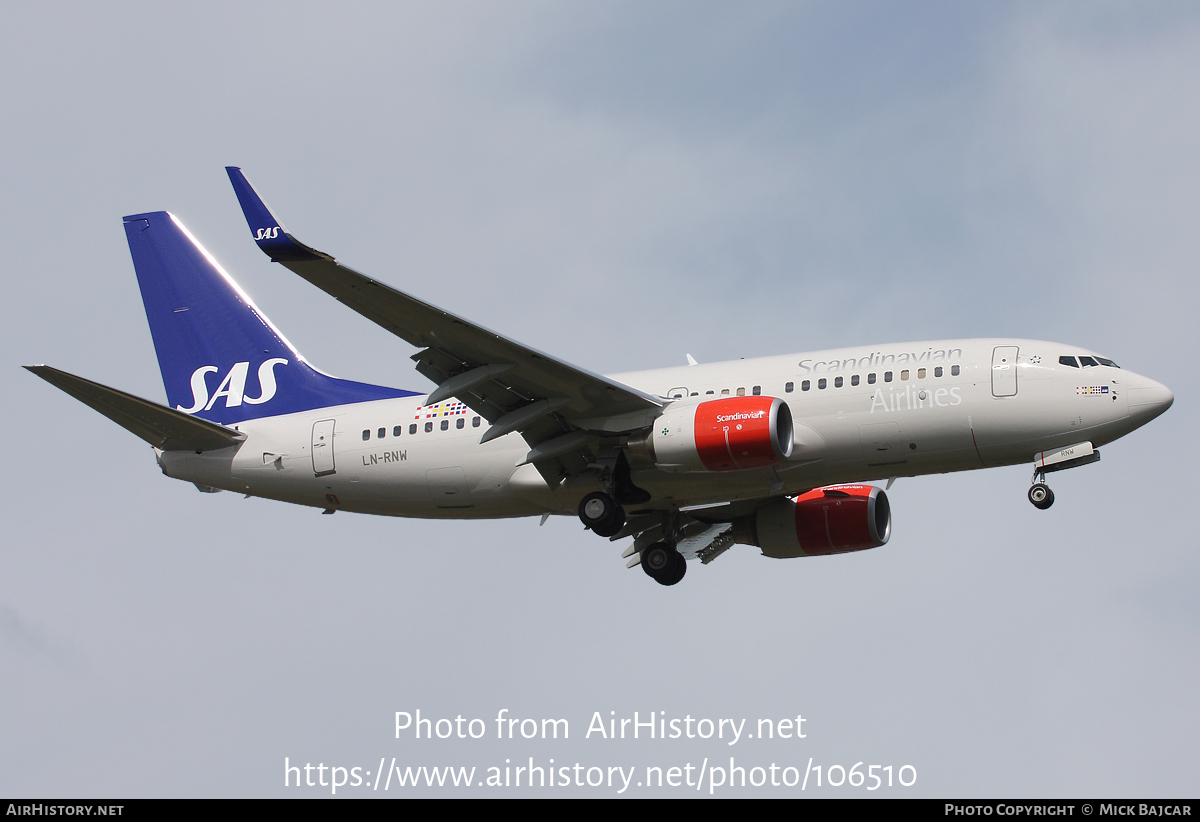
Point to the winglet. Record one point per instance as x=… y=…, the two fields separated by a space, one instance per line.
x=268 y=232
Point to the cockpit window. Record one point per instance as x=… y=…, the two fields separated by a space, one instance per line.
x=1068 y=361
x=1088 y=361
x=1109 y=363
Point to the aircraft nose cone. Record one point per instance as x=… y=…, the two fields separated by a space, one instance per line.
x=1147 y=398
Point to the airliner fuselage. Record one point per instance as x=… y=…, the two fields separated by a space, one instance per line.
x=859 y=414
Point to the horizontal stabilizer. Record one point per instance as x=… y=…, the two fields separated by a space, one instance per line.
x=162 y=427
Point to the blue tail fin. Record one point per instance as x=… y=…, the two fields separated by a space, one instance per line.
x=221 y=358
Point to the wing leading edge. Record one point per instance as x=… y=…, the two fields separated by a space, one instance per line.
x=514 y=387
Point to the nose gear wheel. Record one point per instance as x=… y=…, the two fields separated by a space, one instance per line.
x=1041 y=496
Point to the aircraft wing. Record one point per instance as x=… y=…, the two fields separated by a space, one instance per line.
x=162 y=427
x=514 y=387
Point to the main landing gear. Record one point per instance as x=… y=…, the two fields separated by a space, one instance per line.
x=663 y=564
x=601 y=511
x=602 y=514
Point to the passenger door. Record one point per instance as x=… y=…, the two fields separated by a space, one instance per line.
x=1004 y=371
x=322 y=448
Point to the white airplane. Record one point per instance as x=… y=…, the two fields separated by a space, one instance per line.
x=688 y=461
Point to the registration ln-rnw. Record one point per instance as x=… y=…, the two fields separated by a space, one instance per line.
x=775 y=452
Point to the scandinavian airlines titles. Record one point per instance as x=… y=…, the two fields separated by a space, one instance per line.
x=741 y=415
x=877 y=359
x=911 y=399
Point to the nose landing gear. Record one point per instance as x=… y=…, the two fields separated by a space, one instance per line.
x=1041 y=496
x=1039 y=493
x=1044 y=462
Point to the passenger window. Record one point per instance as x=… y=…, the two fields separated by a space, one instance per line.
x=920 y=373
x=461 y=423
x=366 y=434
x=1068 y=361
x=954 y=370
x=804 y=386
x=382 y=433
x=937 y=372
x=790 y=387
x=695 y=393
x=757 y=390
x=887 y=376
x=837 y=382
x=724 y=392
x=821 y=383
x=706 y=393
x=741 y=392
x=904 y=374
x=428 y=427
x=871 y=378
x=475 y=422
x=445 y=425
x=854 y=380
x=412 y=429
x=398 y=430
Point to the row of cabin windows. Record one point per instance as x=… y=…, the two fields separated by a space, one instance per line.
x=838 y=382
x=741 y=392
x=461 y=422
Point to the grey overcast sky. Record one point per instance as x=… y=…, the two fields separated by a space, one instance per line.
x=620 y=184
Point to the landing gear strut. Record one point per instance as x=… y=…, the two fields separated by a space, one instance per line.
x=663 y=564
x=601 y=513
x=1039 y=493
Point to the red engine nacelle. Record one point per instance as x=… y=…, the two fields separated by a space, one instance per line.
x=831 y=520
x=729 y=434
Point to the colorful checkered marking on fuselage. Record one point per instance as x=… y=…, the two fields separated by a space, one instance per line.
x=441 y=409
